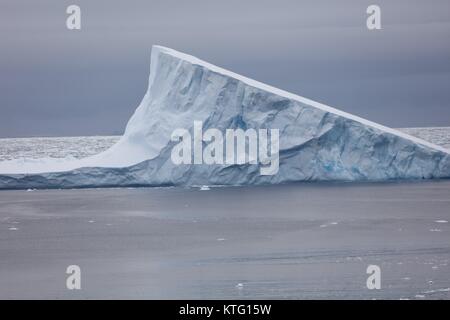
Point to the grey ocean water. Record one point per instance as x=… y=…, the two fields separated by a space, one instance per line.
x=298 y=241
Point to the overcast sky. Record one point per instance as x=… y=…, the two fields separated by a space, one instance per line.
x=58 y=82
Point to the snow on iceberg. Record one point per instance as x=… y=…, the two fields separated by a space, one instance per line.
x=317 y=142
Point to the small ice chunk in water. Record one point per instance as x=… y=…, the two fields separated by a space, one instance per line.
x=204 y=188
x=240 y=285
x=438 y=290
x=13 y=229
x=441 y=221
x=328 y=224
x=221 y=239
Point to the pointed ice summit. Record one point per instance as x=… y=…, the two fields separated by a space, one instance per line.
x=316 y=142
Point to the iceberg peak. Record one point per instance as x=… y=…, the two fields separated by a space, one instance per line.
x=158 y=49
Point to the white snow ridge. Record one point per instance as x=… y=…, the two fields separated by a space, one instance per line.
x=317 y=142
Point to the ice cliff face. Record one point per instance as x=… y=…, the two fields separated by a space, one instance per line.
x=317 y=142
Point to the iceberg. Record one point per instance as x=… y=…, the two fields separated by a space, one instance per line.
x=316 y=142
